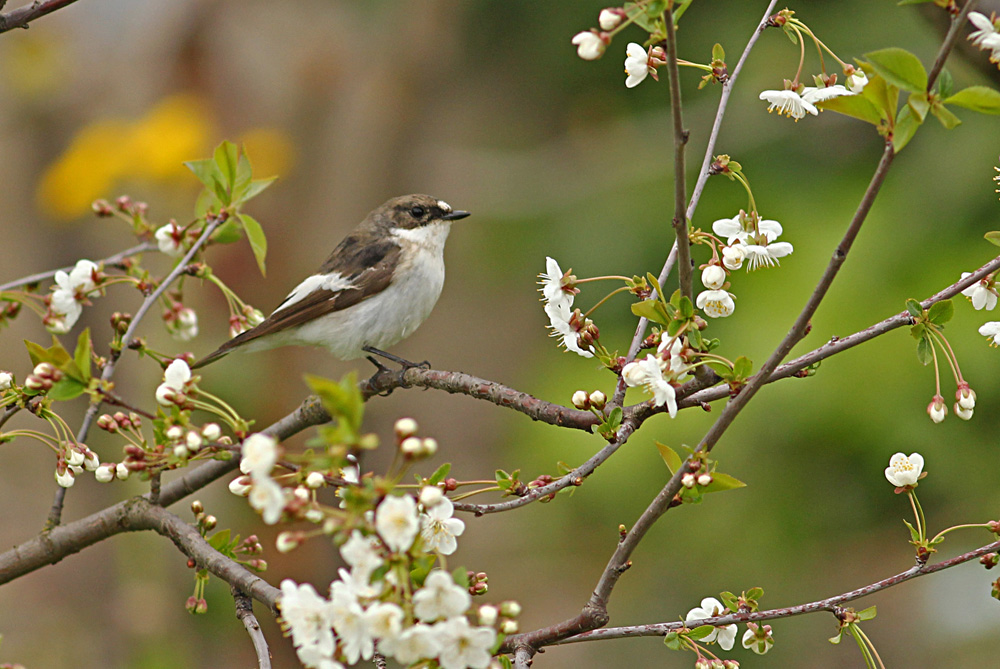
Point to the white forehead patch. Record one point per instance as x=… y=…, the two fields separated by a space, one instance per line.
x=445 y=207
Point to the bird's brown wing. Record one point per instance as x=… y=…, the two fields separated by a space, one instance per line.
x=347 y=260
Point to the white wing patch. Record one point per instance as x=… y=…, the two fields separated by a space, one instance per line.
x=332 y=281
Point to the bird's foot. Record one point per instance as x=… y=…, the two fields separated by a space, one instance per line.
x=403 y=362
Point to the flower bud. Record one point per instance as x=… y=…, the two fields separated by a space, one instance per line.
x=510 y=608
x=431 y=496
x=508 y=627
x=106 y=422
x=197 y=507
x=713 y=277
x=580 y=399
x=102 y=208
x=410 y=446
x=598 y=399
x=733 y=256
x=315 y=480
x=589 y=45
x=37 y=383
x=688 y=480
x=211 y=432
x=66 y=479
x=240 y=486
x=962 y=412
x=488 y=615
x=966 y=396
x=428 y=447
x=90 y=460
x=288 y=541
x=6 y=380
x=937 y=409
x=405 y=427
x=74 y=458
x=181 y=451
x=174 y=433
x=704 y=479
x=610 y=18
x=105 y=473
x=122 y=471
x=194 y=441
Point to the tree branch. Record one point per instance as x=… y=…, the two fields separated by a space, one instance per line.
x=113 y=260
x=22 y=16
x=680 y=221
x=829 y=604
x=244 y=612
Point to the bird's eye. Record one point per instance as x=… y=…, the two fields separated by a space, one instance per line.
x=417 y=212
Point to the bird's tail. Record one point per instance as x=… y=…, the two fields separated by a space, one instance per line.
x=220 y=352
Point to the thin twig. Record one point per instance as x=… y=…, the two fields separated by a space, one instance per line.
x=680 y=221
x=954 y=32
x=699 y=187
x=55 y=513
x=22 y=16
x=829 y=604
x=244 y=612
x=110 y=260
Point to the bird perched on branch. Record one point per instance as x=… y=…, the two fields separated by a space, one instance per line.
x=375 y=289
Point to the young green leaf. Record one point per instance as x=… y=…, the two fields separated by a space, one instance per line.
x=440 y=474
x=722 y=482
x=941 y=312
x=255 y=235
x=900 y=68
x=906 y=128
x=208 y=173
x=993 y=237
x=914 y=308
x=700 y=632
x=718 y=53
x=670 y=457
x=651 y=310
x=227 y=157
x=944 y=115
x=81 y=356
x=855 y=106
x=867 y=614
x=981 y=99
x=924 y=353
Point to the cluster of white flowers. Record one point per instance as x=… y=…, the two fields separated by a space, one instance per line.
x=985 y=36
x=259 y=455
x=432 y=626
x=797 y=103
x=70 y=294
x=74 y=459
x=564 y=322
x=656 y=373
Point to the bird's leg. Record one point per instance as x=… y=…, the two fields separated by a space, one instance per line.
x=406 y=364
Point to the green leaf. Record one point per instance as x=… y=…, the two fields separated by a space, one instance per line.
x=219 y=540
x=670 y=457
x=700 y=632
x=905 y=129
x=244 y=175
x=342 y=400
x=82 y=355
x=718 y=53
x=652 y=310
x=227 y=156
x=67 y=388
x=439 y=474
x=944 y=115
x=209 y=174
x=867 y=614
x=900 y=68
x=686 y=307
x=941 y=312
x=672 y=640
x=914 y=308
x=755 y=593
x=742 y=367
x=227 y=233
x=982 y=99
x=722 y=482
x=855 y=106
x=993 y=237
x=914 y=535
x=924 y=353
x=461 y=577
x=919 y=105
x=36 y=352
x=256 y=187
x=258 y=242
x=883 y=95
x=836 y=639
x=945 y=84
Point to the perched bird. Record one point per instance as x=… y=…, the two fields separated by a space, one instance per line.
x=375 y=289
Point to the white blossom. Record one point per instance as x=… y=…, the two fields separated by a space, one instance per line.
x=739 y=228
x=732 y=256
x=991 y=330
x=185 y=325
x=609 y=19
x=438 y=528
x=814 y=95
x=713 y=277
x=552 y=286
x=759 y=645
x=982 y=294
x=258 y=455
x=72 y=289
x=385 y=621
x=788 y=103
x=419 y=642
x=361 y=553
x=648 y=374
x=464 y=646
x=711 y=607
x=396 y=522
x=636 y=64
x=440 y=598
x=765 y=255
x=562 y=325
x=66 y=479
x=904 y=471
x=105 y=473
x=169 y=238
x=716 y=303
x=122 y=471
x=857 y=81
x=431 y=495
x=589 y=45
x=6 y=381
x=241 y=486
x=985 y=36
x=351 y=626
x=267 y=497
x=307 y=617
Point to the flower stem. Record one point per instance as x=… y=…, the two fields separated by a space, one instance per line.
x=606 y=298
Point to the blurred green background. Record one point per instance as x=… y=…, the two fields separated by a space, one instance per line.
x=486 y=105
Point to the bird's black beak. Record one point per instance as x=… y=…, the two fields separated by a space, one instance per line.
x=455 y=215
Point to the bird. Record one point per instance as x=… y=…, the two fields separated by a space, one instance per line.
x=379 y=284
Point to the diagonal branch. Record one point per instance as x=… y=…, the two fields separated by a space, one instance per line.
x=112 y=260
x=829 y=604
x=244 y=613
x=22 y=16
